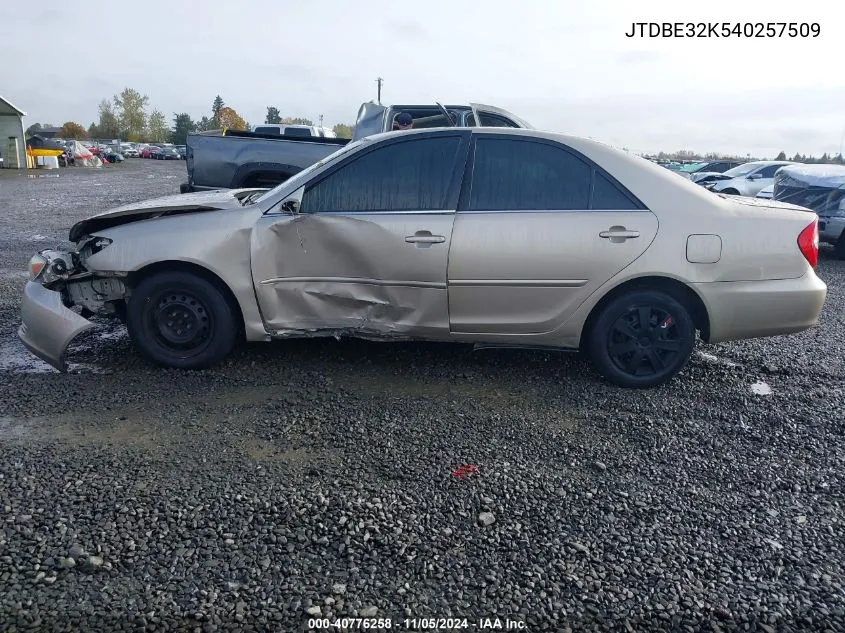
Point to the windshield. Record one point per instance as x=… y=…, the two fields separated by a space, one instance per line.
x=305 y=173
x=742 y=170
x=692 y=167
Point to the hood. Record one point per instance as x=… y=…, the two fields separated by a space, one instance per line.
x=156 y=207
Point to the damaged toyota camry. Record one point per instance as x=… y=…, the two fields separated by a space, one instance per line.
x=497 y=237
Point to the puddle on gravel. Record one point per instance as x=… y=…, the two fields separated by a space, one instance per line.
x=12 y=428
x=16 y=359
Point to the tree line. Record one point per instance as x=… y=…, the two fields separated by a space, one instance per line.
x=824 y=159
x=125 y=116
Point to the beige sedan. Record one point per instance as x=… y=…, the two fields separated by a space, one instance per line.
x=498 y=237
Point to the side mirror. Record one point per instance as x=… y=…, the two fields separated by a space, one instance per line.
x=756 y=176
x=291 y=206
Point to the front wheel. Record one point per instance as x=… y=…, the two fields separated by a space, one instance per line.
x=641 y=339
x=181 y=320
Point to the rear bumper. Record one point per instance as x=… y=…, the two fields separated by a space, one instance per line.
x=751 y=309
x=47 y=326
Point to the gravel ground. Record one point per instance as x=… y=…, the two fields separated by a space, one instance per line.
x=318 y=477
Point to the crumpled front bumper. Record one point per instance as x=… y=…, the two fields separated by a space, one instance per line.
x=48 y=326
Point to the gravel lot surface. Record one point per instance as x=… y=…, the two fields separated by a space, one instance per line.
x=316 y=477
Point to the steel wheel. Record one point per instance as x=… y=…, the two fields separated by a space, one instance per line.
x=179 y=319
x=182 y=322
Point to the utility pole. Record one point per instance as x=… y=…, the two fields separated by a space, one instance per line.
x=379 y=82
x=321 y=120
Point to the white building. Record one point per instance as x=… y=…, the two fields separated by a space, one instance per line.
x=12 y=139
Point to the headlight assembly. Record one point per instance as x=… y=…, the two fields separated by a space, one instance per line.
x=50 y=266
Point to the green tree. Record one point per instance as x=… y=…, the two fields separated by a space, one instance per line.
x=298 y=120
x=35 y=128
x=183 y=125
x=838 y=159
x=108 y=125
x=72 y=130
x=781 y=156
x=216 y=106
x=342 y=130
x=273 y=115
x=157 y=129
x=93 y=131
x=205 y=124
x=129 y=109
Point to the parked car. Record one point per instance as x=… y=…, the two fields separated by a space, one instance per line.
x=167 y=153
x=183 y=151
x=766 y=193
x=544 y=240
x=111 y=155
x=149 y=151
x=246 y=159
x=703 y=171
x=129 y=151
x=747 y=179
x=822 y=189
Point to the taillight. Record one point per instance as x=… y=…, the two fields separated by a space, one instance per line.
x=808 y=242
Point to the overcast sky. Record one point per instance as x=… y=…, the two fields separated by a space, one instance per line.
x=563 y=65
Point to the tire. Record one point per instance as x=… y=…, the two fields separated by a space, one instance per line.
x=628 y=359
x=839 y=247
x=160 y=304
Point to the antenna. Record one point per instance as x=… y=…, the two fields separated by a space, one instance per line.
x=379 y=82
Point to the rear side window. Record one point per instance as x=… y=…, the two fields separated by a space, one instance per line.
x=769 y=171
x=517 y=175
x=267 y=130
x=411 y=175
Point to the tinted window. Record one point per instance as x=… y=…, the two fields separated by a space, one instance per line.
x=297 y=131
x=607 y=196
x=411 y=175
x=493 y=120
x=523 y=175
x=267 y=130
x=769 y=172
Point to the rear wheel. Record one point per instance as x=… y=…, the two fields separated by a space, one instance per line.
x=641 y=339
x=181 y=320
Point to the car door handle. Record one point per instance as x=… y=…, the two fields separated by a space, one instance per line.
x=425 y=238
x=619 y=234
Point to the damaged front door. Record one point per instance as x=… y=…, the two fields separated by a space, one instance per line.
x=366 y=251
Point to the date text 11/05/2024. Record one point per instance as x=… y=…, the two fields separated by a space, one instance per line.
x=724 y=29
x=416 y=624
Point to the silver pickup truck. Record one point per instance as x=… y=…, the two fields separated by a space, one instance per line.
x=228 y=159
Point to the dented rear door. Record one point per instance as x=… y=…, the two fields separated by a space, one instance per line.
x=367 y=250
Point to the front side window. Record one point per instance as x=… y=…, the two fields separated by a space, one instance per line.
x=410 y=175
x=518 y=175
